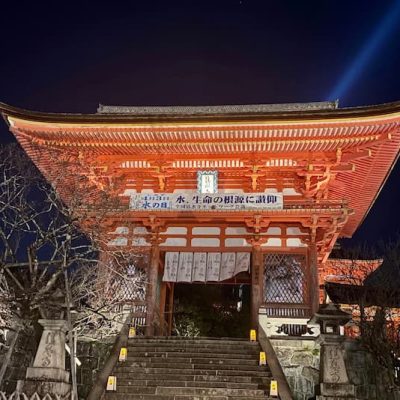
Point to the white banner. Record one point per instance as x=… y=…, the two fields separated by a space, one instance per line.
x=199 y=267
x=242 y=262
x=211 y=201
x=204 y=267
x=185 y=267
x=171 y=266
x=228 y=262
x=213 y=265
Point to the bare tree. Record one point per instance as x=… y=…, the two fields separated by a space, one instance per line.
x=373 y=297
x=120 y=284
x=50 y=240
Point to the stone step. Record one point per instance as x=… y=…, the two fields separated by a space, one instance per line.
x=260 y=371
x=177 y=354
x=123 y=377
x=125 y=396
x=181 y=383
x=195 y=349
x=209 y=391
x=180 y=339
x=191 y=369
x=190 y=361
x=211 y=344
x=193 y=391
x=195 y=366
x=244 y=343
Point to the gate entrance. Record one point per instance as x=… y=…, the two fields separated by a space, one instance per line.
x=211 y=310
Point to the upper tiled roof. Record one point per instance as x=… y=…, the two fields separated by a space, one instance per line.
x=221 y=109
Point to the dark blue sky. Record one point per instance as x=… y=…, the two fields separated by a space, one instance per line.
x=68 y=58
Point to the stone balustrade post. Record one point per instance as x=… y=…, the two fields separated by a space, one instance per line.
x=48 y=374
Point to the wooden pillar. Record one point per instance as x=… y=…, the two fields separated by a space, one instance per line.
x=163 y=299
x=314 y=281
x=152 y=317
x=256 y=284
x=171 y=307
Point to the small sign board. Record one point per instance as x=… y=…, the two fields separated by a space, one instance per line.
x=132 y=332
x=263 y=358
x=207 y=181
x=111 y=383
x=253 y=335
x=273 y=391
x=123 y=353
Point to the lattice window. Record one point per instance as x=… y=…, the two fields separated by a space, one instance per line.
x=285 y=280
x=127 y=283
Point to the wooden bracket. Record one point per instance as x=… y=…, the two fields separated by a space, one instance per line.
x=256 y=240
x=258 y=223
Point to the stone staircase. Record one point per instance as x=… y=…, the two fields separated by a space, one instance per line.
x=191 y=369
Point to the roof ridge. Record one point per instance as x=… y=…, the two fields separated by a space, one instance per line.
x=217 y=109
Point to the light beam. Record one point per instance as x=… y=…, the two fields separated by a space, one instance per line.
x=355 y=69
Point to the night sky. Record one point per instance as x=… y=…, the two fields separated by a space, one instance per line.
x=61 y=57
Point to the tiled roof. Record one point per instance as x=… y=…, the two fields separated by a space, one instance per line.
x=220 y=109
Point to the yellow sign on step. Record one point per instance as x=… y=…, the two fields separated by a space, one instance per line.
x=253 y=335
x=273 y=391
x=263 y=358
x=111 y=383
x=132 y=332
x=123 y=353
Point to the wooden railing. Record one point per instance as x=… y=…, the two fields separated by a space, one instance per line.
x=286 y=310
x=287 y=320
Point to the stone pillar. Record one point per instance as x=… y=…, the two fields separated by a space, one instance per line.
x=151 y=295
x=256 y=284
x=48 y=374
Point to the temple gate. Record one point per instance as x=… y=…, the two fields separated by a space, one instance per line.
x=255 y=194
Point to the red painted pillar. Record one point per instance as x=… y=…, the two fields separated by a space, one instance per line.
x=152 y=317
x=256 y=284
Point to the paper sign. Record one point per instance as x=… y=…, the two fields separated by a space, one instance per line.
x=242 y=262
x=228 y=262
x=171 y=266
x=263 y=358
x=202 y=267
x=273 y=388
x=185 y=267
x=132 y=332
x=199 y=267
x=123 y=353
x=112 y=383
x=253 y=335
x=213 y=266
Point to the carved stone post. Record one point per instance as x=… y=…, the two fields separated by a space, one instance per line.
x=48 y=374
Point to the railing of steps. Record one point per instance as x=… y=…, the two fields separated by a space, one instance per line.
x=274 y=365
x=121 y=340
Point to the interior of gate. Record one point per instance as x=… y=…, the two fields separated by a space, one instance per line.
x=211 y=279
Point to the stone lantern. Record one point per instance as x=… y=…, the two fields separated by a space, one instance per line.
x=334 y=381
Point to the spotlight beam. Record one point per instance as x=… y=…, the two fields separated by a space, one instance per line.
x=377 y=38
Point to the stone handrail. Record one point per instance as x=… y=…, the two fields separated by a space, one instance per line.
x=276 y=369
x=99 y=386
